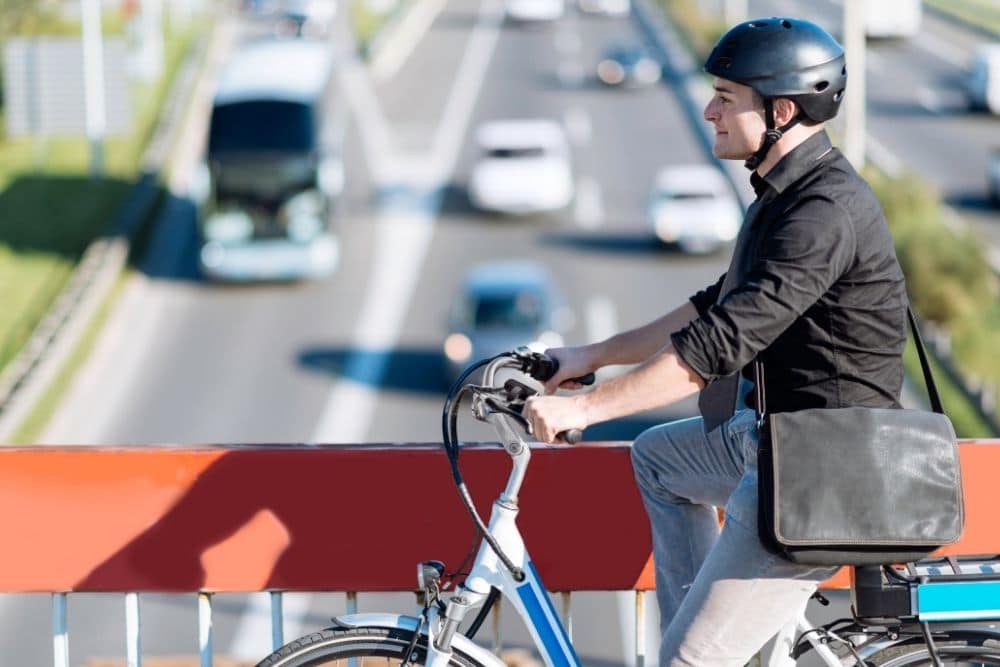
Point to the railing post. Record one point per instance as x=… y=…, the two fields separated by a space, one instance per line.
x=567 y=613
x=277 y=621
x=352 y=608
x=205 y=628
x=133 y=641
x=640 y=629
x=60 y=636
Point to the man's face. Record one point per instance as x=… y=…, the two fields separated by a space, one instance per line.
x=738 y=119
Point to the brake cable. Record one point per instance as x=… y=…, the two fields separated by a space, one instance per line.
x=449 y=425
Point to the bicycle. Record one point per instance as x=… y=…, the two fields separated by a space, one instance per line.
x=902 y=616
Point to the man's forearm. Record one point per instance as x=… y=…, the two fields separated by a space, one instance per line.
x=661 y=380
x=637 y=345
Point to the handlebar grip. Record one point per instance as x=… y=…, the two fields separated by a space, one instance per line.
x=545 y=367
x=571 y=437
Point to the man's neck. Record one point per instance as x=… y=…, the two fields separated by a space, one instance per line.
x=795 y=136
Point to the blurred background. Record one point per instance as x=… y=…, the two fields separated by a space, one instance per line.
x=276 y=221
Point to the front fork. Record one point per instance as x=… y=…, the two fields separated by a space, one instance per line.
x=444 y=618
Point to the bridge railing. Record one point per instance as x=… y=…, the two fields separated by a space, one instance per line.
x=278 y=518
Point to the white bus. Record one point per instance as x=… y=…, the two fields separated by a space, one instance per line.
x=272 y=167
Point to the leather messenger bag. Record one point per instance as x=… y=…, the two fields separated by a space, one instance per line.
x=859 y=486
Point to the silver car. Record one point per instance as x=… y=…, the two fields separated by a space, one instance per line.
x=500 y=306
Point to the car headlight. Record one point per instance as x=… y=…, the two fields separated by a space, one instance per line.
x=302 y=215
x=230 y=226
x=458 y=348
x=610 y=72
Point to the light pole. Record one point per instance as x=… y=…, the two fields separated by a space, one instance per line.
x=854 y=106
x=93 y=82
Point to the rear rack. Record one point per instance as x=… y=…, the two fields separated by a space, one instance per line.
x=949 y=588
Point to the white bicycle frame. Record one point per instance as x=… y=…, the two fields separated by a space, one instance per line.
x=529 y=596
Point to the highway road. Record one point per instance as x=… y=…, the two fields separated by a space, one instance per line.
x=357 y=357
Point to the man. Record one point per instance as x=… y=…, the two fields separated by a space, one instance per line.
x=813 y=291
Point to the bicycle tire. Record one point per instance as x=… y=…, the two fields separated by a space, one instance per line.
x=956 y=652
x=333 y=647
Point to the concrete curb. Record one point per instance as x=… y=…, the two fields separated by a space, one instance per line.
x=29 y=375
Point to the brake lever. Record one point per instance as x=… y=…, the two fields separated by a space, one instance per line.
x=517 y=394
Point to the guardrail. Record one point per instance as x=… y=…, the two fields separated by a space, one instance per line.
x=212 y=519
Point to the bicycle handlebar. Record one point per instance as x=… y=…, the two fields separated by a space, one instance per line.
x=542 y=367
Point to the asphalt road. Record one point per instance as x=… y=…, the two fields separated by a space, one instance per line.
x=186 y=361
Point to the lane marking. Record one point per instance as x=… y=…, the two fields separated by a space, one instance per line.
x=883 y=157
x=578 y=126
x=465 y=91
x=588 y=209
x=601 y=318
x=402 y=41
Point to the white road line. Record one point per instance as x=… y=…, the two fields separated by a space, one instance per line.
x=588 y=209
x=601 y=318
x=400 y=44
x=578 y=126
x=465 y=91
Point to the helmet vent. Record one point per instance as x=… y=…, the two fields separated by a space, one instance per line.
x=843 y=72
x=821 y=86
x=786 y=24
x=838 y=95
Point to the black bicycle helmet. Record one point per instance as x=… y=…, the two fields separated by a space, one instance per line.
x=783 y=57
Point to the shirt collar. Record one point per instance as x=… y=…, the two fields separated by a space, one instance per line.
x=793 y=166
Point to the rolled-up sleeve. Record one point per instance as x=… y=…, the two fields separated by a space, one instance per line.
x=703 y=299
x=803 y=253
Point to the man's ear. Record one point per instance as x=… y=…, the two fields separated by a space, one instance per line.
x=784 y=111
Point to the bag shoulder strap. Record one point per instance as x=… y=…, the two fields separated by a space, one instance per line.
x=932 y=391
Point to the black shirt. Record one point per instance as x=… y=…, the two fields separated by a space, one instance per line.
x=822 y=301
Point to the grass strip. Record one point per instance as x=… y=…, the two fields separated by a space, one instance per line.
x=982 y=13
x=34 y=424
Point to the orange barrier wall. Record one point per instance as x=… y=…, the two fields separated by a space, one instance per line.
x=334 y=518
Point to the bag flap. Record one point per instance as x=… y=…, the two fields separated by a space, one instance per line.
x=865 y=476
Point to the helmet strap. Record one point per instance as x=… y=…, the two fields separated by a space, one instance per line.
x=771 y=135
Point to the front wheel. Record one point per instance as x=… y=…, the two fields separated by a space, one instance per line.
x=357 y=647
x=964 y=652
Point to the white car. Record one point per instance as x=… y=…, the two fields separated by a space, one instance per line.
x=694 y=207
x=524 y=167
x=984 y=79
x=606 y=7
x=534 y=10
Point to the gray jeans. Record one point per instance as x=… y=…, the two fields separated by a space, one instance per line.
x=721 y=595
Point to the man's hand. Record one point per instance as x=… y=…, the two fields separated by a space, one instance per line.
x=551 y=415
x=574 y=362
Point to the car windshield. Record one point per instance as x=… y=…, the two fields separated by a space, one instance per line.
x=264 y=180
x=526 y=151
x=262 y=126
x=521 y=310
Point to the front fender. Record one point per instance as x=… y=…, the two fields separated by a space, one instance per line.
x=459 y=642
